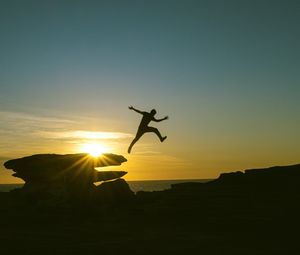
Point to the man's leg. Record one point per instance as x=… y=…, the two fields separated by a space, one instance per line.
x=137 y=137
x=155 y=130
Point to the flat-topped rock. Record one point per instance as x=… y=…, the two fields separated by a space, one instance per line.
x=57 y=161
x=70 y=176
x=50 y=167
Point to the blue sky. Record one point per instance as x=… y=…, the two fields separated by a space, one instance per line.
x=226 y=72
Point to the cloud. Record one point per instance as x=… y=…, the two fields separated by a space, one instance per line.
x=82 y=134
x=16 y=123
x=3 y=158
x=14 y=116
x=22 y=133
x=147 y=153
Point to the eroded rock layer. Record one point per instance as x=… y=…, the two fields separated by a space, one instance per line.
x=70 y=175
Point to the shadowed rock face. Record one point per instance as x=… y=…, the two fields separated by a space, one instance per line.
x=67 y=175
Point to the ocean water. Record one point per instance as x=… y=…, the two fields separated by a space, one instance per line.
x=158 y=185
x=135 y=186
x=9 y=187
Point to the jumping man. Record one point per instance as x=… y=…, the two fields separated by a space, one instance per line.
x=144 y=128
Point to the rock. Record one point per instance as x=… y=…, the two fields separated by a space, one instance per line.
x=233 y=178
x=108 y=175
x=278 y=179
x=50 y=167
x=70 y=176
x=263 y=178
x=117 y=191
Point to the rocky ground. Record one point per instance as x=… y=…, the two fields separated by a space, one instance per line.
x=256 y=212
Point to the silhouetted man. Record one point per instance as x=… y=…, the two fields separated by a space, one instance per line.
x=144 y=128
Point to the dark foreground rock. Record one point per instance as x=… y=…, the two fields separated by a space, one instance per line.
x=117 y=191
x=245 y=212
x=251 y=212
x=70 y=178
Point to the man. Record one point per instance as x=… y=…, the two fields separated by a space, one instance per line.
x=144 y=128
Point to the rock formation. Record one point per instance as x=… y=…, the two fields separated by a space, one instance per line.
x=70 y=176
x=273 y=178
x=263 y=178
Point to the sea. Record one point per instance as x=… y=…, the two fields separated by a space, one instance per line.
x=155 y=185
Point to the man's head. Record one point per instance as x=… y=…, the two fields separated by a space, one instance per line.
x=153 y=112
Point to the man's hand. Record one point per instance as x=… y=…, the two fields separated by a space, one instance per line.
x=159 y=120
x=136 y=110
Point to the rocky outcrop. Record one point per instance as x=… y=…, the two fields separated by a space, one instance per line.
x=274 y=179
x=71 y=176
x=47 y=167
x=116 y=191
x=266 y=178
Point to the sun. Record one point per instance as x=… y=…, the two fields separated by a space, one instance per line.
x=94 y=149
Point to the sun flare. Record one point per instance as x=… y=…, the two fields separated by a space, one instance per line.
x=94 y=149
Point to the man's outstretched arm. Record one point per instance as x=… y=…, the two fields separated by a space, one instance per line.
x=136 y=110
x=158 y=120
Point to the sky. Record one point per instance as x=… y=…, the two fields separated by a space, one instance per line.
x=225 y=72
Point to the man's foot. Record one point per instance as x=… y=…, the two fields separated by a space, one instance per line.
x=164 y=138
